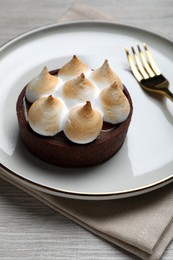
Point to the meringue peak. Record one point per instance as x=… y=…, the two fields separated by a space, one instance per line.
x=114 y=86
x=86 y=111
x=115 y=104
x=79 y=88
x=45 y=71
x=73 y=68
x=80 y=92
x=46 y=115
x=82 y=76
x=84 y=124
x=104 y=76
x=50 y=100
x=41 y=85
x=87 y=108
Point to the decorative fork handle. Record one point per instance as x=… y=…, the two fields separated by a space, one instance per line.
x=168 y=94
x=160 y=85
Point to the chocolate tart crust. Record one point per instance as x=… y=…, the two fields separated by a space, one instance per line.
x=60 y=151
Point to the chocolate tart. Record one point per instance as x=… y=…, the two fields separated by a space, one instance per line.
x=60 y=151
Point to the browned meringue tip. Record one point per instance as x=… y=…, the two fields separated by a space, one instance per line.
x=74 y=67
x=106 y=62
x=45 y=69
x=105 y=75
x=106 y=66
x=50 y=98
x=52 y=101
x=84 y=123
x=104 y=72
x=45 y=72
x=79 y=88
x=82 y=76
x=87 y=108
x=75 y=57
x=114 y=85
x=43 y=84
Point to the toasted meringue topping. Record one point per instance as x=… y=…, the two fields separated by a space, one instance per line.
x=79 y=89
x=105 y=76
x=115 y=104
x=46 y=116
x=73 y=68
x=83 y=124
x=76 y=87
x=43 y=84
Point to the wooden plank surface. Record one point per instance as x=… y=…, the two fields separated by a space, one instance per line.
x=29 y=229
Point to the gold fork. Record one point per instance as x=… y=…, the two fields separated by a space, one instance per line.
x=147 y=72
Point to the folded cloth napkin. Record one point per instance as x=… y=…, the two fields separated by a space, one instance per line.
x=142 y=225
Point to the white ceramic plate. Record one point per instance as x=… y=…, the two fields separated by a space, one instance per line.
x=145 y=161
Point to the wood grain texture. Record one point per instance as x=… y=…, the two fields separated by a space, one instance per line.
x=28 y=228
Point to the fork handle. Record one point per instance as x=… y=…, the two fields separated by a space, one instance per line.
x=160 y=84
x=168 y=93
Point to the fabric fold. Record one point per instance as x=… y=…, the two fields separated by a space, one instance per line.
x=142 y=225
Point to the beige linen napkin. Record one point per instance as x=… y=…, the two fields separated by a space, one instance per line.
x=142 y=225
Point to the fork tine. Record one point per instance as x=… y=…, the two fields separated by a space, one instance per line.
x=133 y=66
x=151 y=60
x=139 y=64
x=146 y=65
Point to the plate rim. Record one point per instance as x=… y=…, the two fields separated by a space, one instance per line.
x=88 y=196
x=73 y=194
x=77 y=22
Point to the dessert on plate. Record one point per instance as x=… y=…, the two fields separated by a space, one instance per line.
x=74 y=116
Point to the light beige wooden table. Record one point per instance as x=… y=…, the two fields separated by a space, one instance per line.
x=29 y=229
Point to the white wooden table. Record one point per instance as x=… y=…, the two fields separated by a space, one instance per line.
x=29 y=229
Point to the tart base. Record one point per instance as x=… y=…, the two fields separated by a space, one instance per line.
x=58 y=150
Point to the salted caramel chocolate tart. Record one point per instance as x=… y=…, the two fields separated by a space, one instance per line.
x=74 y=116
